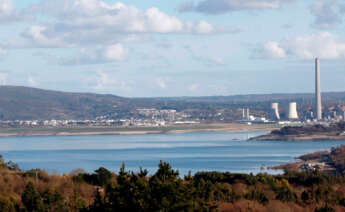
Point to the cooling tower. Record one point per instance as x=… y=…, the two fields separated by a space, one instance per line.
x=318 y=106
x=275 y=111
x=293 y=111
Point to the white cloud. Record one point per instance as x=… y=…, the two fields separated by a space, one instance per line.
x=193 y=87
x=324 y=45
x=84 y=22
x=327 y=13
x=108 y=54
x=224 y=6
x=31 y=81
x=7 y=11
x=116 y=52
x=216 y=60
x=103 y=82
x=42 y=37
x=203 y=28
x=3 y=52
x=270 y=50
x=160 y=83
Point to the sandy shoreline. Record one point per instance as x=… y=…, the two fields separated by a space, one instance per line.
x=135 y=131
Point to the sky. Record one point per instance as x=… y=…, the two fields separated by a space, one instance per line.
x=152 y=48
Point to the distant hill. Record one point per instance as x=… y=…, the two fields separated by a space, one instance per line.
x=328 y=96
x=25 y=103
x=30 y=103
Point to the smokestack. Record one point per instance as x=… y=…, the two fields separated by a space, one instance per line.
x=318 y=106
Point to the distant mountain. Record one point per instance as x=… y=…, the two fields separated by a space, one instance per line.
x=25 y=103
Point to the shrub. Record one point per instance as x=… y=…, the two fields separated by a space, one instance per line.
x=32 y=199
x=6 y=205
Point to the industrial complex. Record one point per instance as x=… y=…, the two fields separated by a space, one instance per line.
x=291 y=115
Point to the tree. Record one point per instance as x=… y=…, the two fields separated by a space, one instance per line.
x=165 y=172
x=54 y=201
x=103 y=176
x=325 y=208
x=305 y=196
x=32 y=199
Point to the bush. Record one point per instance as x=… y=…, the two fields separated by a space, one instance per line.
x=37 y=173
x=325 y=208
x=6 y=205
x=32 y=199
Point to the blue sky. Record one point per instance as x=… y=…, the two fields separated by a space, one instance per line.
x=150 y=48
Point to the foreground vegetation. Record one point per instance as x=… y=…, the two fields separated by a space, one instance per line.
x=36 y=190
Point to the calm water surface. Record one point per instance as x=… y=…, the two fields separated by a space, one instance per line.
x=190 y=151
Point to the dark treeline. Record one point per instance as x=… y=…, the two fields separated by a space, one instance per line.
x=35 y=190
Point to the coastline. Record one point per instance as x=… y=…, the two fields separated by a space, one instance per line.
x=326 y=161
x=215 y=127
x=316 y=132
x=316 y=137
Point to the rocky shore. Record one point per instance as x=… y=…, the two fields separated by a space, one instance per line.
x=306 y=133
x=315 y=137
x=332 y=161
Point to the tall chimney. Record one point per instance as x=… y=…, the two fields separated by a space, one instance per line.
x=318 y=106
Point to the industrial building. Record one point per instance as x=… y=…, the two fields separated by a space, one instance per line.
x=292 y=114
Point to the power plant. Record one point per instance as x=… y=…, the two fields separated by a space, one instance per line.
x=293 y=115
x=311 y=113
x=318 y=105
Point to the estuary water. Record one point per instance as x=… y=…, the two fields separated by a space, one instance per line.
x=220 y=151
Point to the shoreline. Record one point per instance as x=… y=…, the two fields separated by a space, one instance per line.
x=298 y=138
x=41 y=132
x=316 y=132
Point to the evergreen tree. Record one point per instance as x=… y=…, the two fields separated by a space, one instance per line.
x=32 y=199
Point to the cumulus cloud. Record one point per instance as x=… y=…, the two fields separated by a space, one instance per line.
x=116 y=52
x=160 y=83
x=103 y=82
x=31 y=81
x=43 y=37
x=83 y=22
x=108 y=54
x=324 y=45
x=328 y=13
x=270 y=50
x=193 y=87
x=225 y=6
x=216 y=60
x=3 y=52
x=8 y=12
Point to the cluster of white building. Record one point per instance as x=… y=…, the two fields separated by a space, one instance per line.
x=154 y=114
